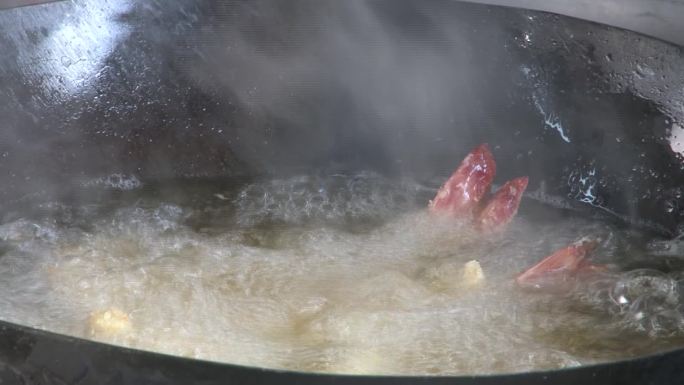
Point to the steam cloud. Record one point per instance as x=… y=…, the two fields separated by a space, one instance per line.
x=383 y=82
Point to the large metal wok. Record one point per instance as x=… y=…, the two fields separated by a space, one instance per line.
x=170 y=89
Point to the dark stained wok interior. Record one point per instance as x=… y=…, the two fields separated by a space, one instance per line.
x=246 y=182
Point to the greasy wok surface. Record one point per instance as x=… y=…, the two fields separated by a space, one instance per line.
x=589 y=113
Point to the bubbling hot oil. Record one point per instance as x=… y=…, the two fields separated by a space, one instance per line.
x=344 y=274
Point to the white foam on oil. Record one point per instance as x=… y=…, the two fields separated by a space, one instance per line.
x=117 y=181
x=290 y=281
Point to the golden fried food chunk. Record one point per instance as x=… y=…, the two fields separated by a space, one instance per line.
x=454 y=276
x=472 y=273
x=108 y=323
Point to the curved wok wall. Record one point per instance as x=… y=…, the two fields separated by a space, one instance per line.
x=164 y=89
x=28 y=356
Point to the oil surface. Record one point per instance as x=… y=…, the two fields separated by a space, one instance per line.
x=343 y=273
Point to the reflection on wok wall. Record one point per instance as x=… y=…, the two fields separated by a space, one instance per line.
x=168 y=89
